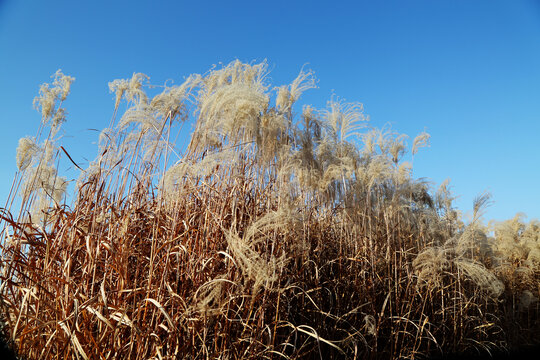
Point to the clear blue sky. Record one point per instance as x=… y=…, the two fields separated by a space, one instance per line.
x=466 y=71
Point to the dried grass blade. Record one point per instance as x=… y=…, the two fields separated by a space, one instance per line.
x=74 y=340
x=162 y=309
x=313 y=333
x=99 y=316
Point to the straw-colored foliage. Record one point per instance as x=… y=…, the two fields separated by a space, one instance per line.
x=277 y=231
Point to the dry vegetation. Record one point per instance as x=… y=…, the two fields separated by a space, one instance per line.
x=272 y=235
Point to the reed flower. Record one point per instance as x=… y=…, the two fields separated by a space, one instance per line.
x=26 y=151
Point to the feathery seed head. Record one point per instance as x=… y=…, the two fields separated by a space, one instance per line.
x=58 y=119
x=131 y=90
x=430 y=264
x=63 y=84
x=119 y=87
x=344 y=120
x=397 y=148
x=48 y=96
x=171 y=102
x=480 y=203
x=404 y=172
x=25 y=152
x=45 y=102
x=481 y=276
x=422 y=140
x=304 y=81
x=283 y=99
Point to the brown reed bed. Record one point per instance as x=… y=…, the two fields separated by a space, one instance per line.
x=273 y=235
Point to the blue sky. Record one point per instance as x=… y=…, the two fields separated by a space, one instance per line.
x=466 y=71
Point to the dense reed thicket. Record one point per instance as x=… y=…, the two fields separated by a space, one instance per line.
x=272 y=234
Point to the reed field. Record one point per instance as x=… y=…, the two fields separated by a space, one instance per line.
x=279 y=231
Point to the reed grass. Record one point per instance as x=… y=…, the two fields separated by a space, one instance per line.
x=273 y=234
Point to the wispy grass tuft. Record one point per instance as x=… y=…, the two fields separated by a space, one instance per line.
x=279 y=231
